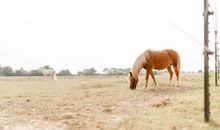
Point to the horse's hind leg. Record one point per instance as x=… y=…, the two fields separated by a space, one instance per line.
x=177 y=72
x=171 y=74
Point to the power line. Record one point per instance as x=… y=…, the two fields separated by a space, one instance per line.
x=179 y=29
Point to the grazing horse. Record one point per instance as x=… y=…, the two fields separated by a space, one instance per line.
x=48 y=72
x=149 y=60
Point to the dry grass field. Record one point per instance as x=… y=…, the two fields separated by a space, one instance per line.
x=105 y=102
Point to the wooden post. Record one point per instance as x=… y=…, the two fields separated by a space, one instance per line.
x=216 y=59
x=218 y=63
x=206 y=63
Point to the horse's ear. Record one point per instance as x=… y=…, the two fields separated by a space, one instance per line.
x=130 y=73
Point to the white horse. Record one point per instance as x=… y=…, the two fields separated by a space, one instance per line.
x=48 y=72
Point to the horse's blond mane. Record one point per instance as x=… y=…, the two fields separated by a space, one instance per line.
x=139 y=63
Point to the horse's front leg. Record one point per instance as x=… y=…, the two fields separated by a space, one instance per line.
x=152 y=75
x=147 y=77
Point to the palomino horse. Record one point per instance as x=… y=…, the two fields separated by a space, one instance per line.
x=158 y=60
x=48 y=72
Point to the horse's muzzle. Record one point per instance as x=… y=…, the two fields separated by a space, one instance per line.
x=132 y=87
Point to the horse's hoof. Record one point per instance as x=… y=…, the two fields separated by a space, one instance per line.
x=178 y=84
x=145 y=86
x=169 y=83
x=177 y=88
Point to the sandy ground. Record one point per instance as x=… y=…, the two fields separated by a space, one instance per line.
x=96 y=103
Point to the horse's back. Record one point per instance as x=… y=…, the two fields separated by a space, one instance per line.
x=162 y=58
x=172 y=54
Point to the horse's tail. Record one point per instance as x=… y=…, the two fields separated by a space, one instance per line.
x=179 y=66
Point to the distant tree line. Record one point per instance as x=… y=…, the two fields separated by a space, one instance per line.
x=90 y=71
x=8 y=71
x=116 y=71
x=105 y=71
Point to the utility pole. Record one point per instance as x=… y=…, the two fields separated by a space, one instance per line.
x=206 y=62
x=218 y=63
x=216 y=58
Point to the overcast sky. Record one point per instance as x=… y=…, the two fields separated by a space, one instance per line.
x=78 y=34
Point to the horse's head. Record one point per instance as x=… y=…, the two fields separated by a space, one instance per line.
x=132 y=80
